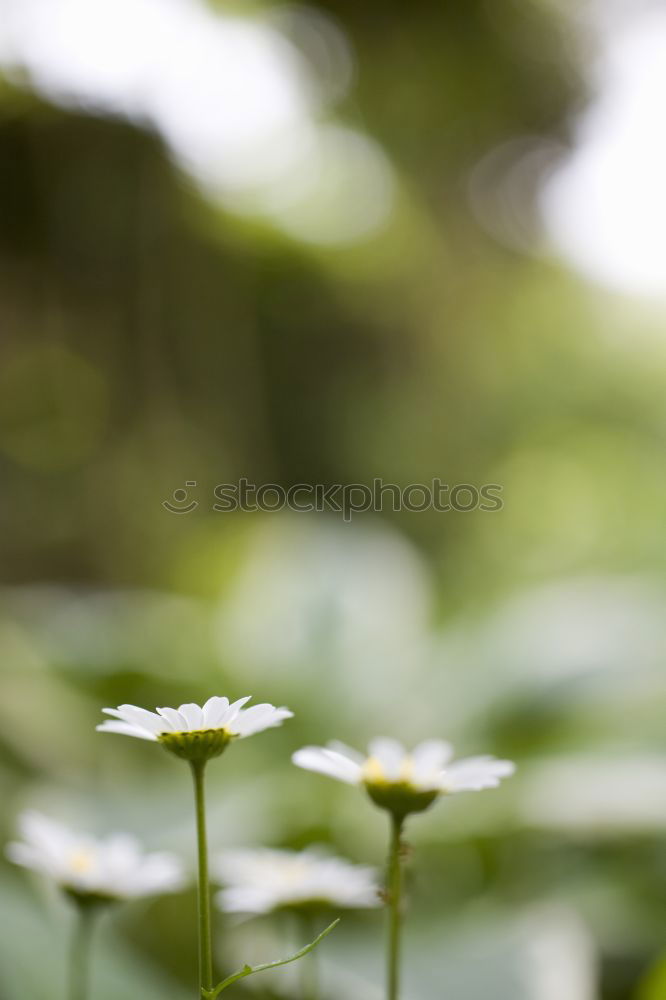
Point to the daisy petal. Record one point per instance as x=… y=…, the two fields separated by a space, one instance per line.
x=244 y=899
x=193 y=715
x=234 y=709
x=140 y=717
x=175 y=720
x=214 y=711
x=259 y=717
x=328 y=762
x=339 y=747
x=42 y=832
x=390 y=754
x=159 y=872
x=429 y=758
x=26 y=856
x=125 y=729
x=473 y=774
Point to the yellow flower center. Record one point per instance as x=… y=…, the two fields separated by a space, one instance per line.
x=374 y=774
x=82 y=861
x=398 y=795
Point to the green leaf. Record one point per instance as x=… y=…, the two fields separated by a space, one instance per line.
x=249 y=970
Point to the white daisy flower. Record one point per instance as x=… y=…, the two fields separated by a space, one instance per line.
x=113 y=868
x=258 y=881
x=195 y=732
x=401 y=781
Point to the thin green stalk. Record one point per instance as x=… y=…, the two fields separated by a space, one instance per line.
x=309 y=965
x=394 y=893
x=79 y=955
x=205 y=942
x=250 y=970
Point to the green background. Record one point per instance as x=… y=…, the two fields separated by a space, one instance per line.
x=151 y=337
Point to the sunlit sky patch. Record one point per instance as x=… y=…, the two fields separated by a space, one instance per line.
x=242 y=108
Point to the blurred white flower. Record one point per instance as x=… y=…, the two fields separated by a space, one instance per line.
x=195 y=731
x=402 y=781
x=112 y=868
x=261 y=880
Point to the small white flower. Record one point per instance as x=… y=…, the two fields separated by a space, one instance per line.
x=195 y=731
x=402 y=781
x=112 y=868
x=258 y=881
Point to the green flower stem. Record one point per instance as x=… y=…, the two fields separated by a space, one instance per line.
x=394 y=899
x=309 y=966
x=250 y=970
x=205 y=942
x=79 y=955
